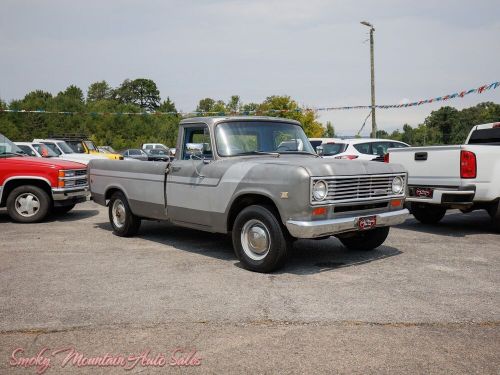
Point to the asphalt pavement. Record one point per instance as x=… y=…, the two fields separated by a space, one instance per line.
x=427 y=301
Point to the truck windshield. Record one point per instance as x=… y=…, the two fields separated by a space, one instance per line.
x=8 y=148
x=485 y=136
x=65 y=148
x=90 y=145
x=254 y=137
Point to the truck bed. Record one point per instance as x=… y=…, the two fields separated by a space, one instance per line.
x=142 y=182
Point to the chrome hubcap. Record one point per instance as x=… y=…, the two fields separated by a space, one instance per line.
x=255 y=239
x=118 y=213
x=27 y=204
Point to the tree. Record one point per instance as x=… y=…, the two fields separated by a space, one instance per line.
x=329 y=132
x=205 y=105
x=234 y=104
x=99 y=91
x=167 y=106
x=141 y=92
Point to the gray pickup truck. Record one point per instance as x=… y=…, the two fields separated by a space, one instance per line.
x=259 y=179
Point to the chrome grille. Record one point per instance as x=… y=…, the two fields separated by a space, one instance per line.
x=358 y=188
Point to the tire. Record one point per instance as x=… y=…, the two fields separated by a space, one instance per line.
x=28 y=204
x=61 y=210
x=366 y=241
x=123 y=221
x=494 y=212
x=259 y=241
x=427 y=214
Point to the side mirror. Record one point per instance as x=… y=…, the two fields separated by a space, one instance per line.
x=319 y=150
x=194 y=149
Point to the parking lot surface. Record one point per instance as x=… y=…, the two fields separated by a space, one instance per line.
x=427 y=301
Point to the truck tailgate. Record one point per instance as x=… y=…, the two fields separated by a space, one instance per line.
x=429 y=166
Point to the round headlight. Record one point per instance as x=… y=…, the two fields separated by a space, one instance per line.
x=320 y=189
x=397 y=185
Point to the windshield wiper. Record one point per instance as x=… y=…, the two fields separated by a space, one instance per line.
x=13 y=153
x=299 y=152
x=256 y=152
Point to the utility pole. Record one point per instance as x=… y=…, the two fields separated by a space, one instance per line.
x=372 y=70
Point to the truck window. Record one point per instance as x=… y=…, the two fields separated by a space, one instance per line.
x=330 y=149
x=53 y=147
x=27 y=150
x=485 y=136
x=197 y=135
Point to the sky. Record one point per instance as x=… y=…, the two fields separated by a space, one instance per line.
x=315 y=51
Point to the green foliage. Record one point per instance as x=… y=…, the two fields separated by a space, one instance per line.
x=99 y=91
x=141 y=92
x=329 y=132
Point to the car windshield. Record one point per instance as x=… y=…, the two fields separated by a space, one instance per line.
x=254 y=137
x=330 y=149
x=44 y=150
x=65 y=148
x=8 y=148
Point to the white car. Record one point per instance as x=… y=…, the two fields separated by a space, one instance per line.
x=328 y=146
x=64 y=151
x=151 y=146
x=37 y=150
x=361 y=148
x=464 y=176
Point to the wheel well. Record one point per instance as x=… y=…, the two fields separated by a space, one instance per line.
x=12 y=184
x=110 y=192
x=248 y=200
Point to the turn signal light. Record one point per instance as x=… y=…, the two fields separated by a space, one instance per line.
x=396 y=202
x=468 y=167
x=319 y=211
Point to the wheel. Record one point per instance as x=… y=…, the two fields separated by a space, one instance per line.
x=61 y=210
x=494 y=212
x=366 y=241
x=426 y=213
x=123 y=221
x=28 y=204
x=259 y=240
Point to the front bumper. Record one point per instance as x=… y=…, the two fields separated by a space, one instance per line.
x=322 y=228
x=64 y=197
x=442 y=196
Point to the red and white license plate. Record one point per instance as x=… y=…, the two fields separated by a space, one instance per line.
x=368 y=222
x=424 y=192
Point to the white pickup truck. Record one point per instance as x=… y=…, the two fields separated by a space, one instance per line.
x=466 y=177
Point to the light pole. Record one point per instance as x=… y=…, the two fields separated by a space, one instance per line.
x=372 y=64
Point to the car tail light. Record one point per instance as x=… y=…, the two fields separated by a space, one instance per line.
x=350 y=157
x=386 y=158
x=496 y=125
x=468 y=167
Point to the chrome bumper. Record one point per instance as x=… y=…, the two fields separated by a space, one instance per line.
x=322 y=228
x=70 y=193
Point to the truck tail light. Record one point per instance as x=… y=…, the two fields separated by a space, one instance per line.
x=468 y=166
x=386 y=158
x=496 y=125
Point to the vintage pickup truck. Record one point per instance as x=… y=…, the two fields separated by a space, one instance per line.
x=259 y=179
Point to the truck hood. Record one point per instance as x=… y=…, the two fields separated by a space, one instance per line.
x=54 y=163
x=332 y=167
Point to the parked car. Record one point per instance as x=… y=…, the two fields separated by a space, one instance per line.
x=135 y=153
x=31 y=188
x=37 y=150
x=157 y=154
x=81 y=144
x=65 y=152
x=465 y=176
x=151 y=146
x=367 y=148
x=230 y=177
x=328 y=146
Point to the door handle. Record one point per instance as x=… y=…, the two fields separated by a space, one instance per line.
x=176 y=169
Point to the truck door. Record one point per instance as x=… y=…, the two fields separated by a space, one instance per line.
x=192 y=180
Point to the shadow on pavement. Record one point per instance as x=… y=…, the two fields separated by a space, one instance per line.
x=454 y=224
x=306 y=257
x=68 y=217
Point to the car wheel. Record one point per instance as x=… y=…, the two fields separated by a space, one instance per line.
x=28 y=204
x=426 y=213
x=61 y=210
x=259 y=240
x=366 y=241
x=123 y=221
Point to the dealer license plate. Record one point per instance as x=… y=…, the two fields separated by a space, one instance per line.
x=368 y=222
x=424 y=192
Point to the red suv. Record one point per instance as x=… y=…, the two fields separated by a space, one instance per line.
x=31 y=188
